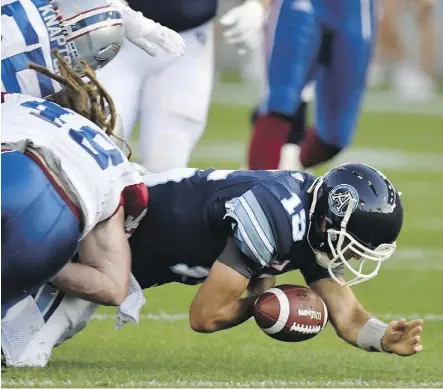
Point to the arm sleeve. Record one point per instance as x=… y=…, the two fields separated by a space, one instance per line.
x=236 y=260
x=260 y=227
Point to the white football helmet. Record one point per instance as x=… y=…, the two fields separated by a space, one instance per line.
x=93 y=30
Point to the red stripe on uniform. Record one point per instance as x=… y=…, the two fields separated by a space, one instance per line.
x=95 y=29
x=88 y=11
x=75 y=210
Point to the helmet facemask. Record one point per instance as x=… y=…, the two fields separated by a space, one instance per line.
x=341 y=249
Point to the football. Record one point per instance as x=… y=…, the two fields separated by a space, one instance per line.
x=290 y=313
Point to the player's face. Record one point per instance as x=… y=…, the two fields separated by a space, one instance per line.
x=347 y=254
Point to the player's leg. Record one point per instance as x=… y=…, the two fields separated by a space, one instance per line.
x=428 y=37
x=294 y=37
x=290 y=151
x=122 y=78
x=341 y=84
x=175 y=103
x=34 y=326
x=40 y=231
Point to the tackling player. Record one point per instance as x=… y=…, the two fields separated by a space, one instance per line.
x=90 y=30
x=235 y=230
x=66 y=187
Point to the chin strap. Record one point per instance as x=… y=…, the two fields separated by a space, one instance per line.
x=345 y=221
x=314 y=188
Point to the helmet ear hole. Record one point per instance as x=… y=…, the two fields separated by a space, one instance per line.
x=323 y=224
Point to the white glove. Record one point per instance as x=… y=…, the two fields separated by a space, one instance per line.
x=243 y=22
x=140 y=169
x=145 y=33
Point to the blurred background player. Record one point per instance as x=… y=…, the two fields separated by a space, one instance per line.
x=289 y=158
x=415 y=80
x=241 y=24
x=170 y=99
x=330 y=42
x=90 y=30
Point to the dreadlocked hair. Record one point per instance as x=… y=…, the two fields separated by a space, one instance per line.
x=86 y=97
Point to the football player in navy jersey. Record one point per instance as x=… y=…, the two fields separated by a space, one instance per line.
x=228 y=228
x=235 y=230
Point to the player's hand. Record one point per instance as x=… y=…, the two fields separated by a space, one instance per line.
x=257 y=286
x=403 y=338
x=140 y=169
x=243 y=22
x=147 y=34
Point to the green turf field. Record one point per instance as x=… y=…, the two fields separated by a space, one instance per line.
x=163 y=351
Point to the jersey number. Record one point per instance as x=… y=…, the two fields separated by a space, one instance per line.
x=92 y=141
x=298 y=218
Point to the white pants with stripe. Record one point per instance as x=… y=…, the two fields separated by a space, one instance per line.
x=34 y=326
x=169 y=97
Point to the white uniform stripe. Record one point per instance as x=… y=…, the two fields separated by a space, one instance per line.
x=42 y=32
x=271 y=27
x=256 y=225
x=249 y=243
x=325 y=316
x=365 y=12
x=284 y=311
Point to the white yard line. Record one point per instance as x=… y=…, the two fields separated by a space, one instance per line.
x=392 y=159
x=416 y=258
x=236 y=384
x=174 y=317
x=375 y=101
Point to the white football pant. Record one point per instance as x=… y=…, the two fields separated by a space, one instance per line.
x=34 y=326
x=169 y=97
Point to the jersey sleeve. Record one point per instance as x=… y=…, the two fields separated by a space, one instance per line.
x=313 y=272
x=261 y=227
x=241 y=263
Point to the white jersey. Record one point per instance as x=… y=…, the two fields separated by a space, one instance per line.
x=30 y=31
x=79 y=153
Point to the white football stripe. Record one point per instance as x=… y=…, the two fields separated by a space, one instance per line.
x=325 y=318
x=284 y=311
x=305 y=329
x=181 y=383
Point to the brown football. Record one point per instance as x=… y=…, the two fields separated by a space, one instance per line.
x=290 y=313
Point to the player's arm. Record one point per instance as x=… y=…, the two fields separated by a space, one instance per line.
x=357 y=327
x=102 y=276
x=219 y=304
x=257 y=286
x=253 y=244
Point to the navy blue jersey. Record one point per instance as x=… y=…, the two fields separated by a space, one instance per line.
x=178 y=15
x=192 y=213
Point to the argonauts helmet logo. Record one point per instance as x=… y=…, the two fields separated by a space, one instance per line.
x=339 y=198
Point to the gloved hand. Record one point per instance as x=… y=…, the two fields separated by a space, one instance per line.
x=140 y=169
x=242 y=23
x=146 y=34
